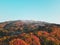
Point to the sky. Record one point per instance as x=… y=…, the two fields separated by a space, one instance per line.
x=38 y=10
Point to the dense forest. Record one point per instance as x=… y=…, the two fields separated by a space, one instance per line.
x=29 y=33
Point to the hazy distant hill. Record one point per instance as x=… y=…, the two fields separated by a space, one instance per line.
x=27 y=32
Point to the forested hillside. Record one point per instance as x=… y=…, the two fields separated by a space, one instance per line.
x=29 y=33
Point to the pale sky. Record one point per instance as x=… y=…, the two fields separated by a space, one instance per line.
x=40 y=10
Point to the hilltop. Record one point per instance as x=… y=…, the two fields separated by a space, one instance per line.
x=42 y=33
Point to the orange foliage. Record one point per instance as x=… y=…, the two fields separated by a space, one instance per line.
x=18 y=42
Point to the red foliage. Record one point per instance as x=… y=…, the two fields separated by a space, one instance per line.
x=18 y=42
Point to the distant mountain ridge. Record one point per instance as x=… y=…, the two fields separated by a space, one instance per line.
x=30 y=21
